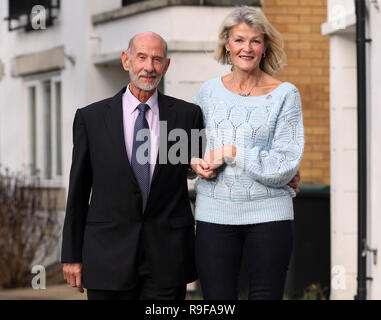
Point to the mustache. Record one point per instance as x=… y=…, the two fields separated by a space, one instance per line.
x=147 y=74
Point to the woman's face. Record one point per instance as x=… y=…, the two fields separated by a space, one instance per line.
x=246 y=47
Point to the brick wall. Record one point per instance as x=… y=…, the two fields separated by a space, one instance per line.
x=307 y=50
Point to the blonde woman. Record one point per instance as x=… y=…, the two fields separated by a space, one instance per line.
x=255 y=142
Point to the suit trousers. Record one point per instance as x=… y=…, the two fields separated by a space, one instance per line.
x=146 y=288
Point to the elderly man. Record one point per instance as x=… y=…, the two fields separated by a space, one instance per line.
x=134 y=237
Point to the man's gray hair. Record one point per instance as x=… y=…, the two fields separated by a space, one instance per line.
x=165 y=46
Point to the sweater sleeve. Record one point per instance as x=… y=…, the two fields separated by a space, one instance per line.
x=277 y=164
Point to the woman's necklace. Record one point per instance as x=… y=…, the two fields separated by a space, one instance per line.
x=247 y=94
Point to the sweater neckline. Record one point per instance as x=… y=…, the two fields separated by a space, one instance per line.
x=250 y=97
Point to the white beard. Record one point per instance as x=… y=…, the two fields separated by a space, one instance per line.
x=134 y=78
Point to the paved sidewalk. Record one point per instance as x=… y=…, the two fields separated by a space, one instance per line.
x=53 y=292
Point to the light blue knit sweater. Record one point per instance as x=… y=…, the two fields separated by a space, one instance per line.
x=268 y=133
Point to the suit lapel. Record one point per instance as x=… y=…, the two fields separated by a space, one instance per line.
x=113 y=116
x=167 y=115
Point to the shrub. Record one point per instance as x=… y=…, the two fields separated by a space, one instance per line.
x=28 y=227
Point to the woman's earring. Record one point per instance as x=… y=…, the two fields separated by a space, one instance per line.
x=264 y=55
x=229 y=59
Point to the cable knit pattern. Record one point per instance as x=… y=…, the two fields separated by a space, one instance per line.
x=268 y=133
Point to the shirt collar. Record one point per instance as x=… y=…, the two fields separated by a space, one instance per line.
x=132 y=102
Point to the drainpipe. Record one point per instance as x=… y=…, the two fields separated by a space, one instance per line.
x=362 y=150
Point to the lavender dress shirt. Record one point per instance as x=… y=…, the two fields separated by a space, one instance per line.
x=130 y=113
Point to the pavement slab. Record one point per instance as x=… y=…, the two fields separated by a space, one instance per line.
x=53 y=292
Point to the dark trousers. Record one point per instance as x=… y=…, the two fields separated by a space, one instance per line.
x=219 y=249
x=146 y=289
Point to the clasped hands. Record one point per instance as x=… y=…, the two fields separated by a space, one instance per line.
x=206 y=168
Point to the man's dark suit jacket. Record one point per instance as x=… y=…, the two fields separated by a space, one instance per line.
x=104 y=225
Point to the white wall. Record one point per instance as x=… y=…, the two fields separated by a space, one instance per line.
x=190 y=25
x=12 y=153
x=83 y=82
x=343 y=90
x=343 y=115
x=374 y=184
x=343 y=131
x=175 y=23
x=2 y=65
x=99 y=6
x=188 y=70
x=334 y=5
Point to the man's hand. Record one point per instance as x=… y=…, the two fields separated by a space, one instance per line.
x=294 y=183
x=202 y=169
x=72 y=273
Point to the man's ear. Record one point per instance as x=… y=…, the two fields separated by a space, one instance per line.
x=166 y=66
x=126 y=60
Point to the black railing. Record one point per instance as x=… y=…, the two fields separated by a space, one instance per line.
x=20 y=13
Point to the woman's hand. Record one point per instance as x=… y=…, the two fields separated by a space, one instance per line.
x=218 y=157
x=202 y=169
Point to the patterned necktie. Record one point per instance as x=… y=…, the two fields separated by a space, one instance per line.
x=140 y=156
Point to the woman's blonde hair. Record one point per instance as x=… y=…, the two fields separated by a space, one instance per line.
x=275 y=58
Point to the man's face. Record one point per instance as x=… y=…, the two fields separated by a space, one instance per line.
x=145 y=61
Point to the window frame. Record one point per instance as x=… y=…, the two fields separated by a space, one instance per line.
x=38 y=81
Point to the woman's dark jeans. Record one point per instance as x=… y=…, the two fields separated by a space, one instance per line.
x=219 y=249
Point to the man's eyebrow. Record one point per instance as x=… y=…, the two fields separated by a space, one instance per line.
x=139 y=53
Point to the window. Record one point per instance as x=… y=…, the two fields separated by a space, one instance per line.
x=45 y=128
x=32 y=130
x=127 y=2
x=58 y=129
x=19 y=13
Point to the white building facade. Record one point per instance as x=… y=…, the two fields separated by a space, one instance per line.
x=47 y=73
x=341 y=27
